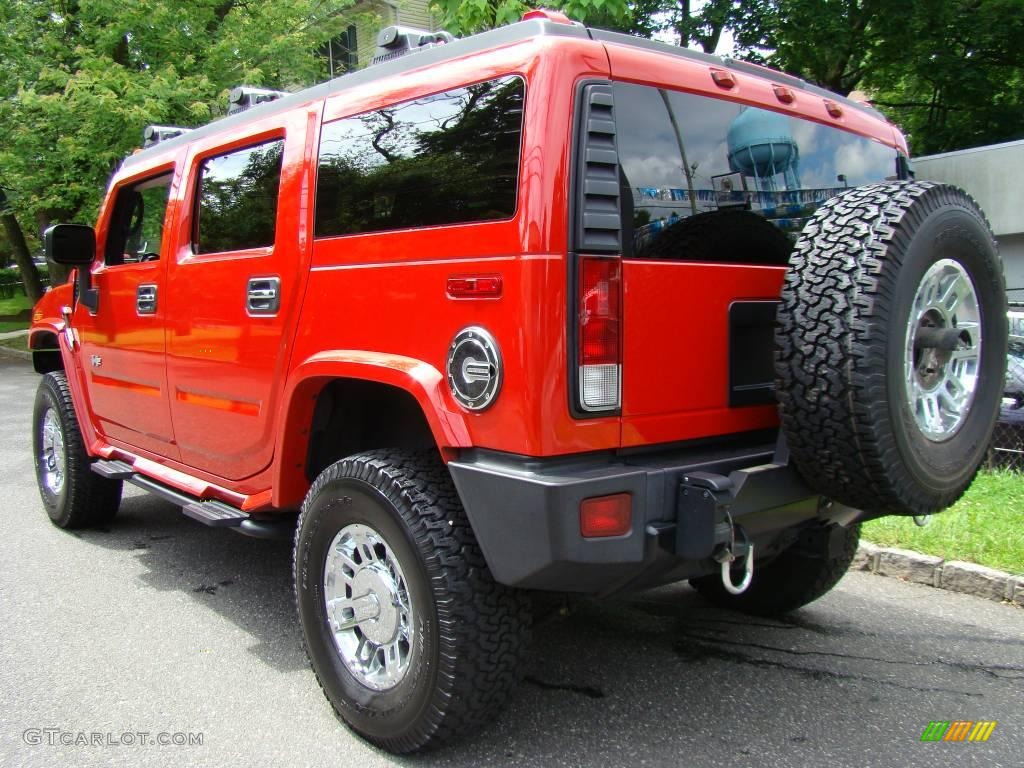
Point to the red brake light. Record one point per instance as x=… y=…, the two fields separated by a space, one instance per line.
x=599 y=311
x=604 y=516
x=547 y=13
x=784 y=94
x=600 y=317
x=723 y=79
x=833 y=109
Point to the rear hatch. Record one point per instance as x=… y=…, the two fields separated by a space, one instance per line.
x=713 y=193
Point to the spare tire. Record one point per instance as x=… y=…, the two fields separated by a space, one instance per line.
x=891 y=347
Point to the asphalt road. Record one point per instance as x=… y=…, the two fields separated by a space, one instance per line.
x=162 y=626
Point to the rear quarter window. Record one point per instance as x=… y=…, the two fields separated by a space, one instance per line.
x=448 y=158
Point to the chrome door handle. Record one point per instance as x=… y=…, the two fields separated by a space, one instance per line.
x=145 y=299
x=263 y=295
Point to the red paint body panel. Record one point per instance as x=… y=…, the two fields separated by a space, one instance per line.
x=219 y=404
x=676 y=348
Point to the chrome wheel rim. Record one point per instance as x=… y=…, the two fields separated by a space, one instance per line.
x=943 y=350
x=52 y=457
x=369 y=611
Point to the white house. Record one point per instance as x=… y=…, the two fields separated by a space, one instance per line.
x=994 y=176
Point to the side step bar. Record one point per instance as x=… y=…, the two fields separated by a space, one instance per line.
x=213 y=513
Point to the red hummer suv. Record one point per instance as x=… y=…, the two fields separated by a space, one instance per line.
x=545 y=308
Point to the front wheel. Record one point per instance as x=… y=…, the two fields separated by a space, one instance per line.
x=73 y=495
x=410 y=638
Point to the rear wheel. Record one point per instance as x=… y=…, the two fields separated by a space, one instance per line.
x=792 y=579
x=411 y=640
x=73 y=495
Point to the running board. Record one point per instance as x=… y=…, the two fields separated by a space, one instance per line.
x=113 y=469
x=216 y=514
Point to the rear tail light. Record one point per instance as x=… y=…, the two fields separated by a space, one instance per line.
x=599 y=354
x=604 y=516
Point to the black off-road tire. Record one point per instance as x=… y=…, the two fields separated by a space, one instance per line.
x=841 y=338
x=471 y=634
x=84 y=498
x=792 y=579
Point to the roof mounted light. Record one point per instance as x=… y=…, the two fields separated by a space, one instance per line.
x=243 y=97
x=154 y=134
x=394 y=41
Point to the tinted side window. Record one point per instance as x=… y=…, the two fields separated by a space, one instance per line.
x=236 y=207
x=712 y=180
x=137 y=223
x=444 y=159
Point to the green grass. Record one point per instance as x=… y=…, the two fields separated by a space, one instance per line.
x=986 y=526
x=15 y=305
x=11 y=307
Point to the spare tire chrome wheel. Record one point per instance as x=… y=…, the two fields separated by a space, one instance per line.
x=890 y=347
x=943 y=350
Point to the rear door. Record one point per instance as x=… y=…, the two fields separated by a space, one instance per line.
x=714 y=194
x=233 y=290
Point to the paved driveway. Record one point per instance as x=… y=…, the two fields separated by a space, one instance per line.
x=162 y=626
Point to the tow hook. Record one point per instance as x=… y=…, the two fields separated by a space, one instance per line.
x=727 y=554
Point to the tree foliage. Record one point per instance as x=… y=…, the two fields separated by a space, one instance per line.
x=79 y=81
x=950 y=72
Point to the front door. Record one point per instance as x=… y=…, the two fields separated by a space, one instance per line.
x=122 y=343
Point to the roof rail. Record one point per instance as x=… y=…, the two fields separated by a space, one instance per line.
x=154 y=134
x=245 y=96
x=393 y=42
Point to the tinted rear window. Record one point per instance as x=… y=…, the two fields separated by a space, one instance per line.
x=711 y=180
x=449 y=158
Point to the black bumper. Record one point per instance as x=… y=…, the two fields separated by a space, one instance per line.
x=525 y=512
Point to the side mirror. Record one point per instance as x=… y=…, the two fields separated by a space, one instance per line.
x=73 y=245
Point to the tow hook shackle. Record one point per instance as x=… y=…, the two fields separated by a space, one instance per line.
x=738 y=548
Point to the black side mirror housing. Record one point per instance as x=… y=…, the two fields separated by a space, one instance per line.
x=73 y=245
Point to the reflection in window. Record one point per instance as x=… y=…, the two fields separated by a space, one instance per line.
x=137 y=224
x=712 y=180
x=443 y=159
x=237 y=200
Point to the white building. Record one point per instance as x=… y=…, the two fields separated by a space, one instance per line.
x=994 y=176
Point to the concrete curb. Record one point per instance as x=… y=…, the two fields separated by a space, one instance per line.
x=951 y=575
x=18 y=354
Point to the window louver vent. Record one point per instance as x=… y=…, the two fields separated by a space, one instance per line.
x=599 y=226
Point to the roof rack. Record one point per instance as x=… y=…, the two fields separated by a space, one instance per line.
x=154 y=134
x=393 y=42
x=245 y=96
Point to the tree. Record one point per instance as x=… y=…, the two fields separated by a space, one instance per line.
x=957 y=78
x=79 y=81
x=461 y=18
x=949 y=71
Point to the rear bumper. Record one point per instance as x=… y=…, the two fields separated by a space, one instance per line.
x=525 y=513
